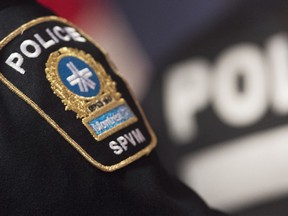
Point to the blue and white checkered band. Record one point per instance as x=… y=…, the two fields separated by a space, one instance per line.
x=111 y=119
x=78 y=77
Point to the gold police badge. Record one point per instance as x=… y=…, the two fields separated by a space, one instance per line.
x=84 y=87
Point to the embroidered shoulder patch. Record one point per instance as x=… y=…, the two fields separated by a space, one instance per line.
x=69 y=81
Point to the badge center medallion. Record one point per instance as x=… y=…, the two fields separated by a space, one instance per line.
x=84 y=87
x=78 y=77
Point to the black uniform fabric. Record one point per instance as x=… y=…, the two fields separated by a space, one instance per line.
x=41 y=174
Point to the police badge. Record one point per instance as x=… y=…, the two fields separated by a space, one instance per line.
x=85 y=88
x=92 y=107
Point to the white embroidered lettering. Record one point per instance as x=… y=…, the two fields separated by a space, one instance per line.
x=15 y=60
x=123 y=142
x=114 y=146
x=130 y=139
x=138 y=135
x=49 y=32
x=45 y=44
x=74 y=34
x=30 y=49
x=60 y=33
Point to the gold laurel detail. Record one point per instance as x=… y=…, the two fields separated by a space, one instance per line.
x=71 y=100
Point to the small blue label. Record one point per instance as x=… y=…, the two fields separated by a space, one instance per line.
x=111 y=119
x=78 y=77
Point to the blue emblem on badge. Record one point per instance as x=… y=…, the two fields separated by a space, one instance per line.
x=78 y=77
x=85 y=88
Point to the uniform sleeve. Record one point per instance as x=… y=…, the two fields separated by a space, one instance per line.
x=44 y=170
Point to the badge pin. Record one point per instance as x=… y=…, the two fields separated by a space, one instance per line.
x=84 y=87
